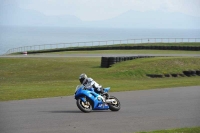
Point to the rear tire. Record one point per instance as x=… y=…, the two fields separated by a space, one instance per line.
x=85 y=107
x=114 y=106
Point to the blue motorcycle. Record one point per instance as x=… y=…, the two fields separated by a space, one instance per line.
x=87 y=100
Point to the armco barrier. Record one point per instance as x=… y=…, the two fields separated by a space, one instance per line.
x=187 y=48
x=107 y=45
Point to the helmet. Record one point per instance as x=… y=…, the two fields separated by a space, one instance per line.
x=82 y=78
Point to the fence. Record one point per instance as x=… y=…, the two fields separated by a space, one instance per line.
x=100 y=43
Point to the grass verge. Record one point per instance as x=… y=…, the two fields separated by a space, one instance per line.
x=122 y=46
x=180 y=130
x=26 y=78
x=127 y=52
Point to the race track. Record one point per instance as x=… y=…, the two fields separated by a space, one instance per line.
x=94 y=55
x=140 y=111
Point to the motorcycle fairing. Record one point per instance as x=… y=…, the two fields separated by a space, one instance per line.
x=106 y=89
x=96 y=98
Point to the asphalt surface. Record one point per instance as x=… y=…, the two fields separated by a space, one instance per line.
x=94 y=55
x=140 y=111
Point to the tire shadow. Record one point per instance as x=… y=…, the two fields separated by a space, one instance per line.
x=60 y=111
x=74 y=111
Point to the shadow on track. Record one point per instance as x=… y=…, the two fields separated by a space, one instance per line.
x=75 y=111
x=66 y=111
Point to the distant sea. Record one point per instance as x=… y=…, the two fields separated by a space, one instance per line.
x=13 y=37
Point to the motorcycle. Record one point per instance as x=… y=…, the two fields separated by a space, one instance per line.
x=88 y=100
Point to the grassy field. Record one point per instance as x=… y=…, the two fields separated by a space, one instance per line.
x=26 y=78
x=181 y=130
x=69 y=48
x=164 y=44
x=128 y=52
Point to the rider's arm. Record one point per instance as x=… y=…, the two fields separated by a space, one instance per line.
x=92 y=84
x=96 y=86
x=89 y=83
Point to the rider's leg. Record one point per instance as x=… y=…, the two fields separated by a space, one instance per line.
x=99 y=90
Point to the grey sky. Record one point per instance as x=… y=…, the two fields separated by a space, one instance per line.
x=88 y=10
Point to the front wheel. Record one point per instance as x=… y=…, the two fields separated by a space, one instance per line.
x=115 y=105
x=84 y=106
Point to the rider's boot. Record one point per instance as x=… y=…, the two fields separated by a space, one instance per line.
x=104 y=94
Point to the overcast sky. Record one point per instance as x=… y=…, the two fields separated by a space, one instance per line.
x=89 y=10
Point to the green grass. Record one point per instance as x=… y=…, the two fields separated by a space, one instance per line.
x=159 y=65
x=161 y=44
x=127 y=52
x=193 y=44
x=180 y=130
x=26 y=78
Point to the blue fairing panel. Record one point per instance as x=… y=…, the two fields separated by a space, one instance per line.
x=106 y=89
x=98 y=103
x=102 y=106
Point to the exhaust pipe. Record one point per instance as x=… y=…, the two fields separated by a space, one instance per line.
x=110 y=101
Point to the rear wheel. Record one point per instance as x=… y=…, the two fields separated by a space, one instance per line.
x=115 y=105
x=84 y=106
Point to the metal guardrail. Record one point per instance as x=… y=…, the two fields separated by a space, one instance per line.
x=100 y=43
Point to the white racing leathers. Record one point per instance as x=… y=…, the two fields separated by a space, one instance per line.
x=90 y=83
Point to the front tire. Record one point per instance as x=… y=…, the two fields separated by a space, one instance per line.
x=85 y=107
x=115 y=106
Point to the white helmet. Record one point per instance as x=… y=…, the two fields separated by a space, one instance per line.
x=82 y=78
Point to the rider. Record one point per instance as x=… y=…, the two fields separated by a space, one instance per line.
x=90 y=83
